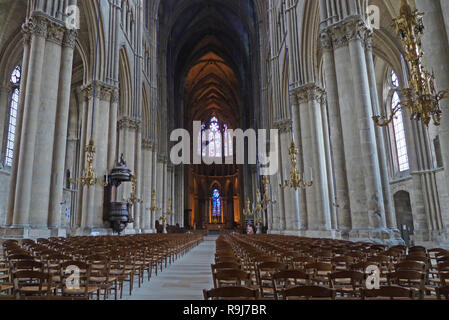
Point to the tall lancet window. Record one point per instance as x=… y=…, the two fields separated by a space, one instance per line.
x=216 y=138
x=216 y=204
x=400 y=142
x=12 y=119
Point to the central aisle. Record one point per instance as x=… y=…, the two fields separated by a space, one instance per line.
x=184 y=279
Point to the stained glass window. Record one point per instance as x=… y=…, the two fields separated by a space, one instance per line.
x=214 y=139
x=398 y=129
x=216 y=203
x=12 y=124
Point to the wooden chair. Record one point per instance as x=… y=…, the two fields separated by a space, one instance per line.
x=264 y=273
x=319 y=272
x=100 y=275
x=283 y=280
x=413 y=280
x=225 y=265
x=33 y=283
x=231 y=277
x=231 y=293
x=342 y=263
x=308 y=292
x=347 y=283
x=300 y=262
x=84 y=289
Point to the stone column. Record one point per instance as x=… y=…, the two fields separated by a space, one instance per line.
x=381 y=149
x=62 y=118
x=45 y=134
x=369 y=156
x=436 y=56
x=289 y=217
x=341 y=201
x=93 y=197
x=317 y=196
x=32 y=93
x=112 y=141
x=147 y=147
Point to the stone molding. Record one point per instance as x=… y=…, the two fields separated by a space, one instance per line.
x=102 y=90
x=310 y=92
x=55 y=33
x=339 y=35
x=70 y=37
x=128 y=123
x=284 y=125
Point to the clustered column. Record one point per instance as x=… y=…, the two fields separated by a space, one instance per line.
x=42 y=118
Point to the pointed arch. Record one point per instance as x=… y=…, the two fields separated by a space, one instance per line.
x=125 y=85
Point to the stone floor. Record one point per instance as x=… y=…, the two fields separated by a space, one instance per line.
x=184 y=279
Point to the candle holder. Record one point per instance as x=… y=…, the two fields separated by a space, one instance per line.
x=296 y=180
x=421 y=98
x=89 y=178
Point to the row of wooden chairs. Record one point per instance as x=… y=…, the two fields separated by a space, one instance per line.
x=272 y=266
x=84 y=267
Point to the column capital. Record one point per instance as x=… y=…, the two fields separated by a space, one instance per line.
x=309 y=92
x=69 y=39
x=283 y=125
x=55 y=33
x=102 y=90
x=350 y=29
x=36 y=25
x=128 y=123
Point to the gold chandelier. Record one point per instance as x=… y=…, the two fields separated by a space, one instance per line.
x=421 y=98
x=88 y=177
x=133 y=197
x=296 y=180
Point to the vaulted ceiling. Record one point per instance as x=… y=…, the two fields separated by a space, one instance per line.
x=210 y=59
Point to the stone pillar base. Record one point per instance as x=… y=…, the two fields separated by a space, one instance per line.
x=148 y=231
x=19 y=233
x=328 y=234
x=433 y=239
x=389 y=237
x=92 y=231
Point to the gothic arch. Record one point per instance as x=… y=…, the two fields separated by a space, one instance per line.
x=125 y=86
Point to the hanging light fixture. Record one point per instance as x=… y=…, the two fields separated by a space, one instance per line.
x=421 y=97
x=296 y=180
x=88 y=177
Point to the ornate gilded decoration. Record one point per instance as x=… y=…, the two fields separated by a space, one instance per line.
x=421 y=97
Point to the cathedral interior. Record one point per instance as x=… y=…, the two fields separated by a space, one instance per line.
x=91 y=92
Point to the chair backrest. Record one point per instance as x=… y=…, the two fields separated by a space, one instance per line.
x=69 y=268
x=356 y=278
x=388 y=292
x=408 y=278
x=235 y=276
x=29 y=265
x=411 y=265
x=308 y=292
x=234 y=293
x=288 y=278
x=225 y=265
x=39 y=280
